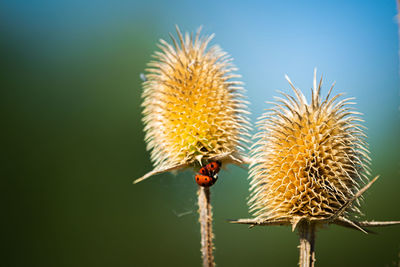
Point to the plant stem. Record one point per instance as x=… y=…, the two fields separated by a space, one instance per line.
x=307 y=241
x=205 y=219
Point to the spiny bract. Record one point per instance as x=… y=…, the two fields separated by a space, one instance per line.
x=309 y=159
x=193 y=109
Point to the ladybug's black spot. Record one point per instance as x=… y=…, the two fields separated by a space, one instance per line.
x=197 y=178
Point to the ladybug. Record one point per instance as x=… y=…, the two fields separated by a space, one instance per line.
x=204 y=171
x=214 y=166
x=208 y=174
x=205 y=180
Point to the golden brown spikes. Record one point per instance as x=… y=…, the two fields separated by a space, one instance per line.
x=309 y=166
x=193 y=107
x=194 y=113
x=309 y=159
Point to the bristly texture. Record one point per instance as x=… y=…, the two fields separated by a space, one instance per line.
x=194 y=109
x=310 y=159
x=309 y=166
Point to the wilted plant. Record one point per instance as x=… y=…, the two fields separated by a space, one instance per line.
x=309 y=165
x=194 y=114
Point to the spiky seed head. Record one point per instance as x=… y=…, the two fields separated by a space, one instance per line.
x=309 y=158
x=194 y=108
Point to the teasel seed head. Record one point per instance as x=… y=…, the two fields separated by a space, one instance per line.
x=310 y=159
x=309 y=167
x=194 y=107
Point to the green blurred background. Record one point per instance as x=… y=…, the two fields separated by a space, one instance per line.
x=72 y=139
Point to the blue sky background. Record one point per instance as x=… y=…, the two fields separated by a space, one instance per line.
x=351 y=42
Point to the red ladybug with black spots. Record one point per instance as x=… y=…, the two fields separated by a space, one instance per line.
x=213 y=167
x=208 y=174
x=205 y=181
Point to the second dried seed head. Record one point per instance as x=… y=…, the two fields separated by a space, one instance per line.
x=310 y=158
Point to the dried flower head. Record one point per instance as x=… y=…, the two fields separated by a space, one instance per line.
x=310 y=158
x=193 y=107
x=309 y=166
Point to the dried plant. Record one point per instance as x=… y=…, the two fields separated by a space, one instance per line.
x=309 y=166
x=194 y=113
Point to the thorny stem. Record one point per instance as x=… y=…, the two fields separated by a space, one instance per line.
x=205 y=219
x=307 y=242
